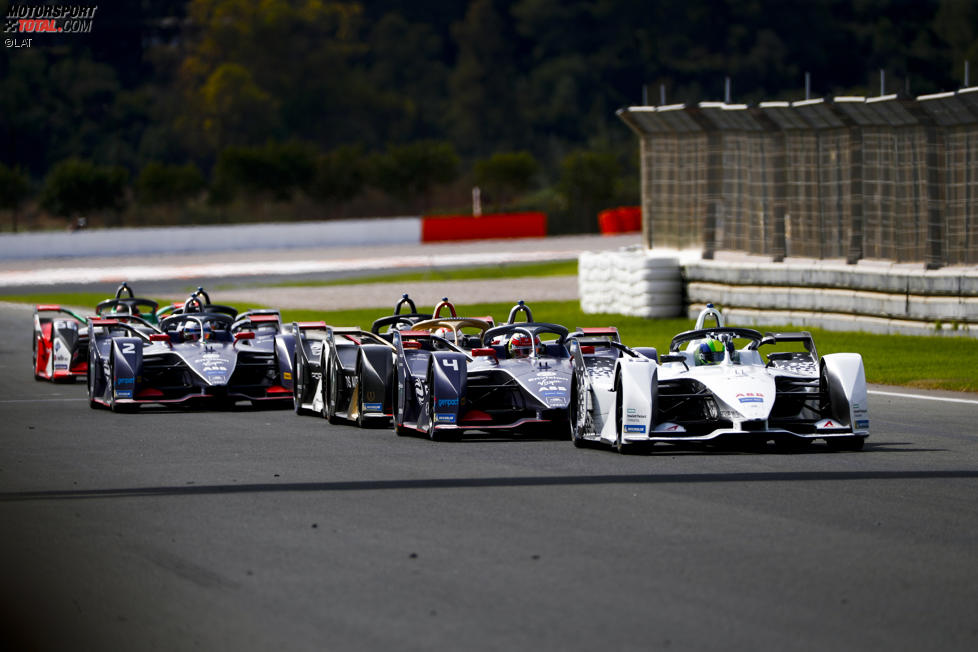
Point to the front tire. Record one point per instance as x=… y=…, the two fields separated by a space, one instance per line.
x=90 y=381
x=846 y=443
x=331 y=393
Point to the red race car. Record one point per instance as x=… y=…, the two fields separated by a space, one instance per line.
x=60 y=344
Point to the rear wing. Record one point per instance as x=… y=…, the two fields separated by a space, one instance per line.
x=54 y=307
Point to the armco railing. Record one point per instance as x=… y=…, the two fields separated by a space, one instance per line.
x=847 y=178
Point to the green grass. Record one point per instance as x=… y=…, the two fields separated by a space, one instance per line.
x=927 y=362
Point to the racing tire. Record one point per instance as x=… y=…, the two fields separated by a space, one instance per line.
x=792 y=445
x=297 y=383
x=846 y=443
x=620 y=445
x=90 y=382
x=577 y=408
x=331 y=394
x=399 y=430
x=37 y=376
x=361 y=422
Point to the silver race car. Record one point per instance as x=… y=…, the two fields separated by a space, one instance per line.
x=722 y=384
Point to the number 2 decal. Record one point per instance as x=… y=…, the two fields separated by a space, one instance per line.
x=128 y=347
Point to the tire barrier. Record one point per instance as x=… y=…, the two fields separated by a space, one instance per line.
x=630 y=282
x=873 y=297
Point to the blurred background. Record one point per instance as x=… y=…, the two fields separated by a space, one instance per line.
x=220 y=111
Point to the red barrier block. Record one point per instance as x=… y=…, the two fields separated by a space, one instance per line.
x=631 y=218
x=623 y=219
x=445 y=228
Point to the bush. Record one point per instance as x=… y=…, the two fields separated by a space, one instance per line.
x=276 y=169
x=14 y=189
x=340 y=174
x=163 y=184
x=588 y=182
x=413 y=170
x=505 y=175
x=74 y=186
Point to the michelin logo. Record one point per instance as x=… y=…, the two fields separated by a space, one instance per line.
x=445 y=418
x=638 y=429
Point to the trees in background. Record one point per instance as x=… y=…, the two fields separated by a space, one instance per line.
x=75 y=187
x=180 y=82
x=505 y=175
x=14 y=189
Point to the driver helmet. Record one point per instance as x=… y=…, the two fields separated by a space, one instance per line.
x=709 y=352
x=446 y=333
x=190 y=331
x=520 y=345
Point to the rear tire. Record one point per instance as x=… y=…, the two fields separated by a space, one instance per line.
x=90 y=381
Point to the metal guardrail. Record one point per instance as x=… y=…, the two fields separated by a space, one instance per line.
x=845 y=178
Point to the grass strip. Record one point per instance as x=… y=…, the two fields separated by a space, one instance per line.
x=926 y=362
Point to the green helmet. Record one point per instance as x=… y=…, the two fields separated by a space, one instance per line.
x=709 y=352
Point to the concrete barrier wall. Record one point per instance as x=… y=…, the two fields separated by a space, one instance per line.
x=241 y=237
x=878 y=298
x=189 y=239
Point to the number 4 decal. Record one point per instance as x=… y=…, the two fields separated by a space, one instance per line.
x=453 y=363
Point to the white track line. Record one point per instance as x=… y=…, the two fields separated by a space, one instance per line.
x=925 y=398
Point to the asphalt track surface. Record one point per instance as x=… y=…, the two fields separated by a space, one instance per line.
x=262 y=530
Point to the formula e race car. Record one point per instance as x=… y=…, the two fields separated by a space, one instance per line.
x=715 y=385
x=519 y=377
x=191 y=357
x=126 y=303
x=347 y=373
x=61 y=336
x=612 y=390
x=60 y=344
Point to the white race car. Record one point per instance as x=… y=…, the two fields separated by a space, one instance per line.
x=715 y=385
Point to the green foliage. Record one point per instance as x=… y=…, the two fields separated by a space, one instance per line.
x=340 y=174
x=159 y=183
x=276 y=169
x=407 y=171
x=505 y=175
x=14 y=187
x=75 y=186
x=588 y=182
x=175 y=81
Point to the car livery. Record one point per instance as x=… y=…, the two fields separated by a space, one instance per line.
x=444 y=389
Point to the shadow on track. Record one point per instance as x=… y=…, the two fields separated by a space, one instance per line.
x=478 y=483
